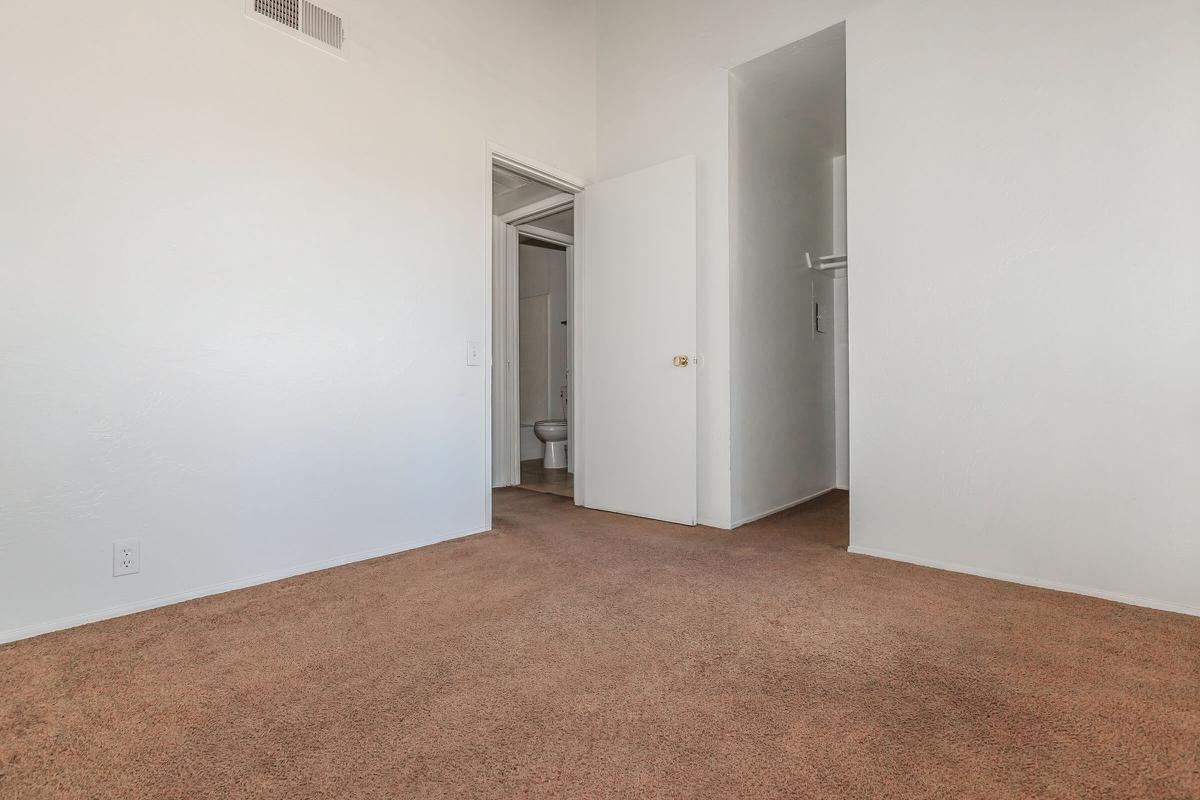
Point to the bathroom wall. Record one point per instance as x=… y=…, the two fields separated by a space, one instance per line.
x=787 y=113
x=533 y=335
x=544 y=271
x=531 y=447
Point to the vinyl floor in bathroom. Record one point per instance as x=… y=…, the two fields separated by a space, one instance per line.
x=537 y=478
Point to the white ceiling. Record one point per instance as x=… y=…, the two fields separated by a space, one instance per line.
x=562 y=222
x=504 y=180
x=511 y=191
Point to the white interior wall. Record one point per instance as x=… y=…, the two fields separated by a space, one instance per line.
x=562 y=222
x=237 y=278
x=837 y=165
x=787 y=114
x=662 y=92
x=841 y=361
x=533 y=192
x=1023 y=284
x=1023 y=291
x=249 y=280
x=531 y=447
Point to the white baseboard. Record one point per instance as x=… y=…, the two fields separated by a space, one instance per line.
x=39 y=628
x=1128 y=599
x=784 y=507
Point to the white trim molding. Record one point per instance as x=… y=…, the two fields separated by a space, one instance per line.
x=505 y=358
x=546 y=235
x=542 y=173
x=570 y=188
x=539 y=210
x=1087 y=591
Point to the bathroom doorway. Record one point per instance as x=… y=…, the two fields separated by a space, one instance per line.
x=633 y=361
x=533 y=310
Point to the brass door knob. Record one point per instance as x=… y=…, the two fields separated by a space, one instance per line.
x=680 y=361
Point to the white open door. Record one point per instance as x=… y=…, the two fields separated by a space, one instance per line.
x=638 y=365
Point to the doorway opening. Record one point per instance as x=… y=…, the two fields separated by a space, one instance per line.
x=533 y=242
x=632 y=361
x=790 y=332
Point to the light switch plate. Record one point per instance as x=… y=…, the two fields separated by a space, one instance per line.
x=474 y=354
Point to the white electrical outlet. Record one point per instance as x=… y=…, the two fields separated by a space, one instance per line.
x=127 y=557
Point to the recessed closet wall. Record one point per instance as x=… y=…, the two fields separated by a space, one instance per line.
x=787 y=198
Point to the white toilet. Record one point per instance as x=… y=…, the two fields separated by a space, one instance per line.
x=554 y=433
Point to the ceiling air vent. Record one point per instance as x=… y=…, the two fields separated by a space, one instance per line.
x=303 y=21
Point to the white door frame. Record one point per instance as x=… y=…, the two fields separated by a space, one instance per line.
x=567 y=241
x=539 y=209
x=569 y=185
x=504 y=357
x=506 y=394
x=546 y=235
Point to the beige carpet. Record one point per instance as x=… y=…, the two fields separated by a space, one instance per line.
x=577 y=654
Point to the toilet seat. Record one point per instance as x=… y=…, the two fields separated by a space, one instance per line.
x=550 y=427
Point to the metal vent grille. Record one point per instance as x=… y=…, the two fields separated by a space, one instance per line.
x=322 y=25
x=285 y=12
x=302 y=20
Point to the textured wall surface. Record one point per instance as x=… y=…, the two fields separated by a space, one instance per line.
x=1022 y=196
x=1023 y=328
x=662 y=92
x=237 y=277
